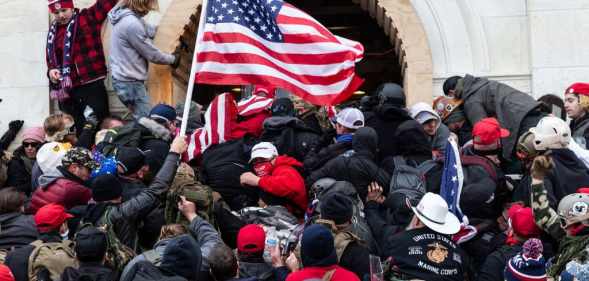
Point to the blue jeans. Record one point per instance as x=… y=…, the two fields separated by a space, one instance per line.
x=133 y=94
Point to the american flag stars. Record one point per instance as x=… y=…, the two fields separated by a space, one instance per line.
x=259 y=16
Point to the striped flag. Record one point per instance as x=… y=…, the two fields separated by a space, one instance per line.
x=219 y=119
x=253 y=105
x=270 y=42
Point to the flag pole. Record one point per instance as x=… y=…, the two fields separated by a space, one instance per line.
x=191 y=78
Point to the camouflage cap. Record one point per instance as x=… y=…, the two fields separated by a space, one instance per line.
x=80 y=156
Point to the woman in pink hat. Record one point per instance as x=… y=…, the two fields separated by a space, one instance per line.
x=21 y=164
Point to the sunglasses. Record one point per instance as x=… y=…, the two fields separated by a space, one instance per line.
x=31 y=144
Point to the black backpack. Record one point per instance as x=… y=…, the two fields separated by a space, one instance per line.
x=145 y=271
x=127 y=135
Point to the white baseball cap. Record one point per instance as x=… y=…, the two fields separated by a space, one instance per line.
x=432 y=210
x=264 y=150
x=50 y=154
x=350 y=117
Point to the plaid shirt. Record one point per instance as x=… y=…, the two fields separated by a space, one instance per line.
x=89 y=63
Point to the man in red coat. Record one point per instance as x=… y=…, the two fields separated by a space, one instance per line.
x=280 y=183
x=76 y=66
x=66 y=185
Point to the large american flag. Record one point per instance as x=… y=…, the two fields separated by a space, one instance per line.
x=270 y=42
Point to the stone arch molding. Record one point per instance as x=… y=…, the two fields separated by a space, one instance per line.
x=397 y=18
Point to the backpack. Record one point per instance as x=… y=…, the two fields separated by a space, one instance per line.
x=409 y=181
x=186 y=184
x=145 y=271
x=117 y=253
x=359 y=226
x=52 y=256
x=473 y=160
x=127 y=135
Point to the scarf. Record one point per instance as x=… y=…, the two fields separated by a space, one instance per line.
x=60 y=91
x=344 y=138
x=571 y=247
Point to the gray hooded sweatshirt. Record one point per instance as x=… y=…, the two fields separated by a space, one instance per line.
x=131 y=46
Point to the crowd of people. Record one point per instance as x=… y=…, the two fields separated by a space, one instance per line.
x=291 y=192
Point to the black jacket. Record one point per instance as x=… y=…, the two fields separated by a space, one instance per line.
x=315 y=160
x=567 y=175
x=262 y=271
x=155 y=141
x=385 y=119
x=89 y=272
x=17 y=230
x=356 y=166
x=126 y=216
x=355 y=258
x=492 y=268
x=19 y=173
x=580 y=130
x=291 y=136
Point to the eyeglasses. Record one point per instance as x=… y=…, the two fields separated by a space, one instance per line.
x=31 y=144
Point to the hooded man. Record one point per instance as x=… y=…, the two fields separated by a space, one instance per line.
x=356 y=166
x=515 y=110
x=387 y=116
x=67 y=185
x=319 y=258
x=432 y=124
x=277 y=177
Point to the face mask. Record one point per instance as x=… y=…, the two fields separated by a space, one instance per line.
x=263 y=168
x=65 y=236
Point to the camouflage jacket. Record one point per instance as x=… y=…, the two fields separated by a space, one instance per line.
x=546 y=218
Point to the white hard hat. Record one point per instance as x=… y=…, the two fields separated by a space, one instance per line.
x=551 y=133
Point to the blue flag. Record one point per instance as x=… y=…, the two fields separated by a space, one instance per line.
x=452 y=179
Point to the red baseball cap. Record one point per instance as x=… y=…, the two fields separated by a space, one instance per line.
x=578 y=88
x=60 y=4
x=488 y=131
x=50 y=217
x=251 y=239
x=522 y=221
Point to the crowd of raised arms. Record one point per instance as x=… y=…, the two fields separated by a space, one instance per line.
x=485 y=183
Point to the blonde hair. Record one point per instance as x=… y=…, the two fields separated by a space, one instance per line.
x=56 y=126
x=141 y=6
x=172 y=230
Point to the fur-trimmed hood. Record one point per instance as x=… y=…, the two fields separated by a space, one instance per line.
x=157 y=130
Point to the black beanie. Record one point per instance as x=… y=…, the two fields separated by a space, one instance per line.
x=337 y=207
x=131 y=159
x=106 y=187
x=450 y=84
x=90 y=244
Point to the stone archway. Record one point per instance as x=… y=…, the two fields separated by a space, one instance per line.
x=397 y=18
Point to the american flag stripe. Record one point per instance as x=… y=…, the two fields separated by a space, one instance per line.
x=270 y=42
x=253 y=105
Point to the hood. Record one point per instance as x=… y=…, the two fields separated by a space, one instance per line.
x=50 y=177
x=117 y=13
x=262 y=271
x=182 y=257
x=287 y=161
x=156 y=129
x=365 y=140
x=278 y=122
x=412 y=140
x=421 y=110
x=391 y=112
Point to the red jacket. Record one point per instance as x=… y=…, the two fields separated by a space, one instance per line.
x=65 y=192
x=286 y=182
x=89 y=62
x=316 y=273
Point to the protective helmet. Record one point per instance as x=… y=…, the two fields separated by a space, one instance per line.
x=391 y=93
x=444 y=106
x=322 y=184
x=525 y=145
x=573 y=208
x=551 y=133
